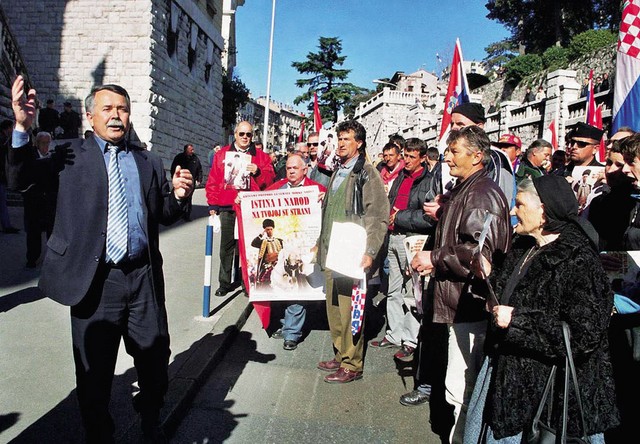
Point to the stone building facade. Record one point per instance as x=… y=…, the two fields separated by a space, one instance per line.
x=166 y=53
x=284 y=122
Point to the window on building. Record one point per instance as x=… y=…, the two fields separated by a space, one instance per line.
x=172 y=29
x=193 y=42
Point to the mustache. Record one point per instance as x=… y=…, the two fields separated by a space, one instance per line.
x=115 y=123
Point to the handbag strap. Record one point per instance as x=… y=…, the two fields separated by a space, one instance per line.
x=547 y=398
x=570 y=367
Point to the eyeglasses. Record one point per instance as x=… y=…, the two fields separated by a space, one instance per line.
x=309 y=144
x=580 y=143
x=241 y=134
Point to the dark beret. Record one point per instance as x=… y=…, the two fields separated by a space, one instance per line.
x=268 y=223
x=472 y=111
x=587 y=131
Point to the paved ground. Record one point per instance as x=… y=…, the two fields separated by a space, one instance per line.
x=259 y=393
x=37 y=397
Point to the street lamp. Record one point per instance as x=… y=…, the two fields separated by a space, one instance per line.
x=383 y=82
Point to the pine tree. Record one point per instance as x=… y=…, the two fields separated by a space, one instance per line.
x=327 y=79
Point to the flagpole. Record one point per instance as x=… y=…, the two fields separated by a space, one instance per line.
x=266 y=106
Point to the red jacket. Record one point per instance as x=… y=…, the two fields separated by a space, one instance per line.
x=219 y=196
x=305 y=183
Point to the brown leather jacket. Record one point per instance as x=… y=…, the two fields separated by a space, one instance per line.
x=458 y=295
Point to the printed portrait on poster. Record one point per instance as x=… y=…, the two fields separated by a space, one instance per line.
x=587 y=183
x=235 y=170
x=278 y=232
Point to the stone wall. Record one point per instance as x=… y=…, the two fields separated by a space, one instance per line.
x=602 y=61
x=70 y=46
x=183 y=106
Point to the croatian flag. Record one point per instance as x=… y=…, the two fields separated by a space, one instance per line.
x=457 y=92
x=602 y=149
x=551 y=135
x=317 y=120
x=591 y=103
x=301 y=135
x=626 y=99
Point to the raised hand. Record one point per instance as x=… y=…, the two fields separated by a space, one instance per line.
x=24 y=108
x=182 y=183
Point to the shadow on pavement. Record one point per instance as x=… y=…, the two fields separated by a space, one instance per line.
x=210 y=418
x=8 y=420
x=25 y=296
x=187 y=372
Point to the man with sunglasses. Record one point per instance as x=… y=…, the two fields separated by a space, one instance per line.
x=316 y=172
x=583 y=145
x=312 y=143
x=221 y=197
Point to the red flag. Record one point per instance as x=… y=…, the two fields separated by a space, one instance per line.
x=457 y=92
x=317 y=120
x=554 y=134
x=591 y=103
x=602 y=150
x=301 y=135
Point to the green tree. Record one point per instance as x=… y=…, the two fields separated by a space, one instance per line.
x=350 y=108
x=539 y=24
x=590 y=41
x=234 y=95
x=522 y=66
x=327 y=79
x=555 y=57
x=499 y=53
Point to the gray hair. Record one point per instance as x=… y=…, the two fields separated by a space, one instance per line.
x=526 y=186
x=538 y=145
x=89 y=101
x=41 y=135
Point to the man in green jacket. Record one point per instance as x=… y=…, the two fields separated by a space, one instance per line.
x=355 y=193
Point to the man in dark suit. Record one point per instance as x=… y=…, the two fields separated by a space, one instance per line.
x=112 y=281
x=40 y=195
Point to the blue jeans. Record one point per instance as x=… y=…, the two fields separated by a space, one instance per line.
x=293 y=322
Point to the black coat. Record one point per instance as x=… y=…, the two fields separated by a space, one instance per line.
x=424 y=188
x=77 y=243
x=565 y=282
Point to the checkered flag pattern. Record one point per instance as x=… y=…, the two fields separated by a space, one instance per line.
x=358 y=298
x=628 y=40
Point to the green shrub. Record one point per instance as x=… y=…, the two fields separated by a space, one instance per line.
x=522 y=66
x=555 y=57
x=589 y=41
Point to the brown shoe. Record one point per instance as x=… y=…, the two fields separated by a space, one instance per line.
x=329 y=366
x=342 y=376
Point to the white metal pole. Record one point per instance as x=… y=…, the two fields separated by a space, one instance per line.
x=266 y=106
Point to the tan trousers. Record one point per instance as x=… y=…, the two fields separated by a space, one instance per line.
x=349 y=348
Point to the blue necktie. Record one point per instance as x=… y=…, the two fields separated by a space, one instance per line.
x=117 y=223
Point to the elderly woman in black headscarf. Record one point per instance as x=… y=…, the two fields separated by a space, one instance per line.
x=552 y=274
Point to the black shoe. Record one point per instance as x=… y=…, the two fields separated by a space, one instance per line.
x=222 y=291
x=290 y=345
x=11 y=230
x=277 y=334
x=415 y=397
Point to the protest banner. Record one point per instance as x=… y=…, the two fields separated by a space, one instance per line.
x=277 y=232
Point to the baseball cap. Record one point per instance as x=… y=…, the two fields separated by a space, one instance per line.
x=508 y=140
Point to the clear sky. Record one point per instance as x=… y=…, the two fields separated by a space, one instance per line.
x=379 y=37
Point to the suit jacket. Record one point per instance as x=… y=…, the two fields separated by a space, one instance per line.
x=77 y=245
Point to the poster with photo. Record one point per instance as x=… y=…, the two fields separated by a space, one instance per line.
x=278 y=231
x=327 y=157
x=235 y=170
x=587 y=180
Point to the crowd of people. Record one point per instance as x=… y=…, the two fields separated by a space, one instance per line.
x=513 y=276
x=515 y=250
